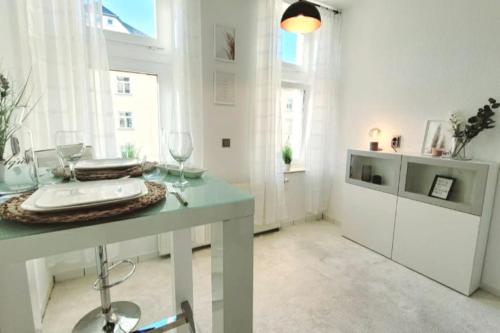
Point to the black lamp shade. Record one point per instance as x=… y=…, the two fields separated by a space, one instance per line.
x=301 y=17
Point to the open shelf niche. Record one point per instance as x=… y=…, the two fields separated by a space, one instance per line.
x=417 y=177
x=386 y=165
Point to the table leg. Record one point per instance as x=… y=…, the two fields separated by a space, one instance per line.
x=16 y=312
x=182 y=269
x=232 y=276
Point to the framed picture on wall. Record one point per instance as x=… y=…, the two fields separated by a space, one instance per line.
x=224 y=88
x=437 y=137
x=225 y=43
x=442 y=187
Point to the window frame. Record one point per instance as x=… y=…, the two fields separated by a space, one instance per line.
x=298 y=162
x=123 y=115
x=131 y=55
x=303 y=68
x=160 y=43
x=124 y=84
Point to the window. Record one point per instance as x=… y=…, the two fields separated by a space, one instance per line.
x=123 y=85
x=138 y=116
x=292 y=113
x=126 y=120
x=133 y=17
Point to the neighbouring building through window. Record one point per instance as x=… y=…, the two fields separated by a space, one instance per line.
x=292 y=113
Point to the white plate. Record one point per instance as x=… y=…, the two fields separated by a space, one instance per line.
x=82 y=195
x=106 y=163
x=188 y=172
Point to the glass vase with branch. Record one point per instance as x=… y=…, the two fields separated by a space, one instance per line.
x=465 y=131
x=14 y=110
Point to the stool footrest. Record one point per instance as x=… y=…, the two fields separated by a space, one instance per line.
x=97 y=285
x=167 y=324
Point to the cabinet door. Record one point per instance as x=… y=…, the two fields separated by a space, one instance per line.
x=369 y=218
x=437 y=242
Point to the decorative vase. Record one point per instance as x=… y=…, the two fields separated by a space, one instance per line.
x=2 y=171
x=17 y=170
x=459 y=149
x=437 y=152
x=288 y=166
x=366 y=173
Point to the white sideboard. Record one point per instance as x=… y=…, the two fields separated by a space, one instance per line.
x=442 y=239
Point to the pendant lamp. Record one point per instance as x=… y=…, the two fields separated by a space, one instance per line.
x=301 y=17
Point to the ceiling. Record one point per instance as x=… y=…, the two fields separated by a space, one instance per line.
x=338 y=4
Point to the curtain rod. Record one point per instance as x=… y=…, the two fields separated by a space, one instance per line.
x=337 y=12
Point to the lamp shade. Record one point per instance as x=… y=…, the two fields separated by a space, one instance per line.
x=301 y=17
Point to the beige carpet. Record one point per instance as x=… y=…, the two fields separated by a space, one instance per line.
x=307 y=279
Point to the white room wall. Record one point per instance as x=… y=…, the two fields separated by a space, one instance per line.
x=222 y=121
x=405 y=62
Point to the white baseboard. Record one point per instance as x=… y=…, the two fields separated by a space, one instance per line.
x=490 y=289
x=71 y=274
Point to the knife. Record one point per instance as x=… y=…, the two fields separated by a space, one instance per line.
x=179 y=197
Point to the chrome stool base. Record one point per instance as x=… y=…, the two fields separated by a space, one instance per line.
x=124 y=318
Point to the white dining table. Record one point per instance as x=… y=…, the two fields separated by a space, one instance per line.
x=213 y=202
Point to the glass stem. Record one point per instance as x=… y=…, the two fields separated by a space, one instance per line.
x=72 y=175
x=181 y=170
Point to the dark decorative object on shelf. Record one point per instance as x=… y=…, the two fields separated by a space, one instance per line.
x=366 y=173
x=464 y=132
x=441 y=187
x=374 y=146
x=376 y=179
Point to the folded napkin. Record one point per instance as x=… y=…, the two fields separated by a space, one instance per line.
x=101 y=174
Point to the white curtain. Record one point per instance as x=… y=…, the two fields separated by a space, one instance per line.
x=62 y=43
x=186 y=111
x=319 y=139
x=266 y=167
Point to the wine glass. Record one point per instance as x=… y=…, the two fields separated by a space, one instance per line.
x=70 y=146
x=180 y=146
x=49 y=170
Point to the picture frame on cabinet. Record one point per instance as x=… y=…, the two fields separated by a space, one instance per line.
x=224 y=43
x=441 y=187
x=437 y=138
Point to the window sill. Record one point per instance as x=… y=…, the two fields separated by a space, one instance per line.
x=295 y=169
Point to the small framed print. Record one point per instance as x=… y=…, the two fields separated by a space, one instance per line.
x=437 y=135
x=224 y=43
x=442 y=187
x=224 y=88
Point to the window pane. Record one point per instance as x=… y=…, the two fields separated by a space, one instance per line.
x=288 y=47
x=133 y=17
x=139 y=114
x=292 y=107
x=292 y=45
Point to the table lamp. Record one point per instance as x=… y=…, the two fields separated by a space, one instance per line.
x=374 y=134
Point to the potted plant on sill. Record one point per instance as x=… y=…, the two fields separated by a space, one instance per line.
x=464 y=132
x=287 y=155
x=12 y=115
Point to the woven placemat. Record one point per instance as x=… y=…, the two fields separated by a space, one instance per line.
x=84 y=175
x=11 y=210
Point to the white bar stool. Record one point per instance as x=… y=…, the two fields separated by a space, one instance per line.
x=110 y=317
